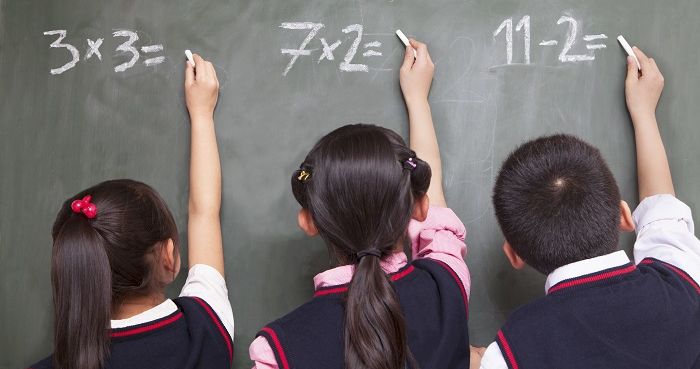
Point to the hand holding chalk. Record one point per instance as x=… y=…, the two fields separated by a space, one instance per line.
x=405 y=41
x=628 y=49
x=643 y=91
x=416 y=74
x=201 y=88
x=190 y=59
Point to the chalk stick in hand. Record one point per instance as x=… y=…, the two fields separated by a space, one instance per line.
x=190 y=58
x=405 y=41
x=628 y=49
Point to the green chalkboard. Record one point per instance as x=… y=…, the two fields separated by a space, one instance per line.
x=62 y=132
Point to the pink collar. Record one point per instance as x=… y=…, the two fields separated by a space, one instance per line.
x=343 y=274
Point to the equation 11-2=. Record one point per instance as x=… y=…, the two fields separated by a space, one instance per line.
x=128 y=48
x=594 y=42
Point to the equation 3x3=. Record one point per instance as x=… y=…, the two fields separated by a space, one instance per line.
x=130 y=48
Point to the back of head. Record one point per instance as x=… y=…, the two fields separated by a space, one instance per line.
x=360 y=187
x=99 y=261
x=557 y=202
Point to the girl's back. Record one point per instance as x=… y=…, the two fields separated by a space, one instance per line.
x=366 y=194
x=116 y=248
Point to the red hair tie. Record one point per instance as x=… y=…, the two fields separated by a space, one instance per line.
x=84 y=206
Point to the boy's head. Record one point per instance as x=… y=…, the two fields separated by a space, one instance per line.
x=557 y=203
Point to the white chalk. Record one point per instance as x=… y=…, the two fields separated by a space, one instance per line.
x=189 y=56
x=405 y=41
x=629 y=50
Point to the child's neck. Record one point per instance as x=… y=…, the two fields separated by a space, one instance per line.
x=136 y=305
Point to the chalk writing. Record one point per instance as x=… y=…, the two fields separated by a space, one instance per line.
x=327 y=50
x=127 y=48
x=565 y=56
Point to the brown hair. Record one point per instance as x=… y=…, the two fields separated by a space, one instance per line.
x=360 y=194
x=96 y=263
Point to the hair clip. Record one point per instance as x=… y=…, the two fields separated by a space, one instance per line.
x=84 y=206
x=410 y=164
x=304 y=176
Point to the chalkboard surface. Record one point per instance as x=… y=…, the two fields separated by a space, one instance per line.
x=106 y=101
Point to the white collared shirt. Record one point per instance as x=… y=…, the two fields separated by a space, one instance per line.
x=204 y=282
x=665 y=231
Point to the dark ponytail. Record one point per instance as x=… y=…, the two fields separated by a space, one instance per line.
x=82 y=296
x=98 y=262
x=360 y=190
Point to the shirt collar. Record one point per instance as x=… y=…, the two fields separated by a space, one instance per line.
x=343 y=274
x=162 y=310
x=587 y=266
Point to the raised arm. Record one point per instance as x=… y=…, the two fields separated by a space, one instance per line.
x=416 y=77
x=643 y=90
x=204 y=226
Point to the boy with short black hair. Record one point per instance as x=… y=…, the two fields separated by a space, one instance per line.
x=560 y=209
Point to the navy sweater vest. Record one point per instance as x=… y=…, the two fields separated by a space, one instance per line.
x=192 y=337
x=434 y=304
x=644 y=316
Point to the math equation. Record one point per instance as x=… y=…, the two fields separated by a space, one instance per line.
x=326 y=50
x=510 y=30
x=129 y=49
x=594 y=42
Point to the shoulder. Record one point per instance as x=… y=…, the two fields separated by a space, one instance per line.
x=46 y=363
x=443 y=273
x=201 y=317
x=670 y=274
x=208 y=284
x=534 y=313
x=436 y=267
x=325 y=307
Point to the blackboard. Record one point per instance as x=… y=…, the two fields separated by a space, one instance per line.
x=60 y=133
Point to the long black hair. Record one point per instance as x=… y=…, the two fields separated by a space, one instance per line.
x=360 y=184
x=97 y=262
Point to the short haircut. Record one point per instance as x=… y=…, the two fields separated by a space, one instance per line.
x=557 y=202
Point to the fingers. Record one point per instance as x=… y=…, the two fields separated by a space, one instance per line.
x=213 y=73
x=189 y=74
x=198 y=61
x=632 y=71
x=655 y=68
x=643 y=60
x=421 y=51
x=649 y=67
x=203 y=70
x=408 y=59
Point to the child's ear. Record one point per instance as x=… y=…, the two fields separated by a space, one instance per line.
x=626 y=220
x=170 y=259
x=306 y=222
x=512 y=256
x=420 y=208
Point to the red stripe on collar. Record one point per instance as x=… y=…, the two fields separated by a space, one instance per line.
x=344 y=288
x=147 y=328
x=592 y=278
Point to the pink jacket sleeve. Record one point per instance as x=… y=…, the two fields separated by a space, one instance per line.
x=261 y=353
x=441 y=237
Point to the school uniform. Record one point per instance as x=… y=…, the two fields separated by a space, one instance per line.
x=609 y=312
x=433 y=291
x=192 y=331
